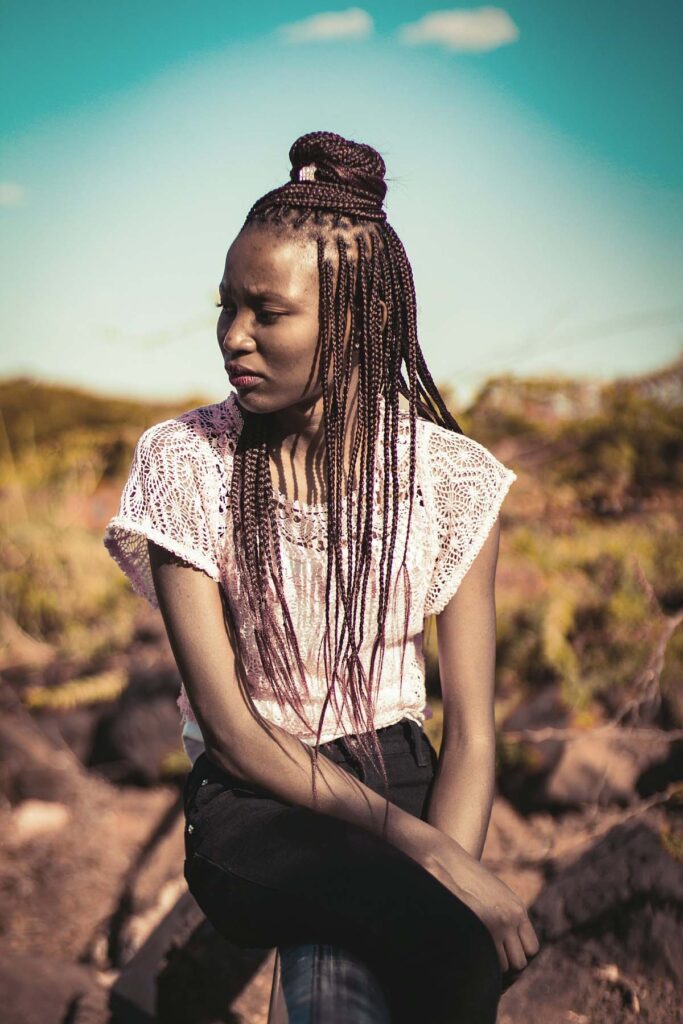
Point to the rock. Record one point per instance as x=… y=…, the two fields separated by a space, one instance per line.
x=609 y=926
x=141 y=729
x=63 y=887
x=672 y=707
x=77 y=727
x=572 y=981
x=38 y=990
x=603 y=767
x=510 y=842
x=522 y=781
x=158 y=873
x=32 y=767
x=605 y=891
x=510 y=835
x=663 y=943
x=657 y=775
x=186 y=972
x=35 y=818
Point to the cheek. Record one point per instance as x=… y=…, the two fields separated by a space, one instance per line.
x=295 y=350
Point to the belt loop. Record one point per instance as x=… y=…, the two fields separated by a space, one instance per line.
x=351 y=759
x=421 y=755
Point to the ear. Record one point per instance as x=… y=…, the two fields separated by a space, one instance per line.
x=384 y=313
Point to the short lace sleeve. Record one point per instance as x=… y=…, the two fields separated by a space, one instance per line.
x=164 y=500
x=468 y=485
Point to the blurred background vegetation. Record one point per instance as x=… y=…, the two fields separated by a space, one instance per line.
x=589 y=568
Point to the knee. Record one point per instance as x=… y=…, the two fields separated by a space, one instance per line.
x=453 y=948
x=454 y=975
x=463 y=934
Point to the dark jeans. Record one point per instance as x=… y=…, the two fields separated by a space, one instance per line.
x=268 y=873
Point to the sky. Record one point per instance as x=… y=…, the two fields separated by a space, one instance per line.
x=534 y=162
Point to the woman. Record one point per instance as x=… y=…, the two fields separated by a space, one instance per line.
x=294 y=537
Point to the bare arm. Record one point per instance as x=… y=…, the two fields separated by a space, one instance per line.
x=192 y=611
x=462 y=796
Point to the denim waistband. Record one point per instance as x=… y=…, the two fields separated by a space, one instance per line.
x=391 y=738
x=405 y=735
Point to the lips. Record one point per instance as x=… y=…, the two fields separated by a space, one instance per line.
x=241 y=378
x=236 y=372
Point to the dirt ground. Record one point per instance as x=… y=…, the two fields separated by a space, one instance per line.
x=96 y=923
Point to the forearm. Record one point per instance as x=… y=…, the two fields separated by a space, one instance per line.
x=462 y=794
x=282 y=764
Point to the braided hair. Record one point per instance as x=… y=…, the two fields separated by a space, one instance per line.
x=336 y=201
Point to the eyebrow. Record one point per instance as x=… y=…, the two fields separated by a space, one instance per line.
x=257 y=293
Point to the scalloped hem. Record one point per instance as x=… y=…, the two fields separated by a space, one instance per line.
x=449 y=590
x=140 y=573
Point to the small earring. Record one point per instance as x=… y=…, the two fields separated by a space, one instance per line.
x=356 y=344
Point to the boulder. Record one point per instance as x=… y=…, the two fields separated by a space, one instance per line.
x=38 y=990
x=609 y=925
x=603 y=767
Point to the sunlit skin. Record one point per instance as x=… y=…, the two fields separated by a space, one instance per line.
x=277 y=337
x=275 y=334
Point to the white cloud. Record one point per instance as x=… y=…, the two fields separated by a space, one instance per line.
x=11 y=193
x=474 y=30
x=354 y=23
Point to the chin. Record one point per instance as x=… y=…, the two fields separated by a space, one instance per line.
x=254 y=402
x=260 y=401
x=247 y=402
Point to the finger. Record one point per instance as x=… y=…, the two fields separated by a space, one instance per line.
x=528 y=938
x=502 y=955
x=515 y=951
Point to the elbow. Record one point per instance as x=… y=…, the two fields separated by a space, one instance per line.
x=239 y=751
x=230 y=750
x=224 y=758
x=480 y=741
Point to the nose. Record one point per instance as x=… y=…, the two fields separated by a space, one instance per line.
x=236 y=338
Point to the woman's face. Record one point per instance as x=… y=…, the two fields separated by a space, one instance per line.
x=268 y=325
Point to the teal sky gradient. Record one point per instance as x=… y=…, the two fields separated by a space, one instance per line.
x=537 y=186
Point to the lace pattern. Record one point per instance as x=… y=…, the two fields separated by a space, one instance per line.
x=177 y=495
x=468 y=485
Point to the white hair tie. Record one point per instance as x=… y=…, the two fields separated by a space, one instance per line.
x=307 y=173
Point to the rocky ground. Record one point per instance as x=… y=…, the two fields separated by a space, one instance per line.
x=96 y=924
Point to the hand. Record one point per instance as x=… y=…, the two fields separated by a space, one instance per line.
x=494 y=903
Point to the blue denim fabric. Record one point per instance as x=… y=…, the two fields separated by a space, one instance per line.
x=323 y=983
x=328 y=983
x=343 y=906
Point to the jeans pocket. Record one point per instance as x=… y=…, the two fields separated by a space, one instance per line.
x=193 y=780
x=199 y=812
x=203 y=784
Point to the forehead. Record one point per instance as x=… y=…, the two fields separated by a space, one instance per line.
x=260 y=261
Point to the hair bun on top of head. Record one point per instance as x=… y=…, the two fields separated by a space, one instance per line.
x=329 y=173
x=328 y=157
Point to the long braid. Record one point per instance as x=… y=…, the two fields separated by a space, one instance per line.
x=346 y=194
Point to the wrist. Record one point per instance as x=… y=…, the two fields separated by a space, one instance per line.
x=421 y=841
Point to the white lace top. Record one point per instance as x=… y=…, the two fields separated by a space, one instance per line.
x=177 y=495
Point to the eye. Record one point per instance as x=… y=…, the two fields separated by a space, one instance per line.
x=265 y=316
x=268 y=317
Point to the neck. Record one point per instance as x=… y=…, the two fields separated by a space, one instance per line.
x=302 y=425
x=298 y=449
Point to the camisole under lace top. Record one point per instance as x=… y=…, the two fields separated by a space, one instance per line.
x=177 y=495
